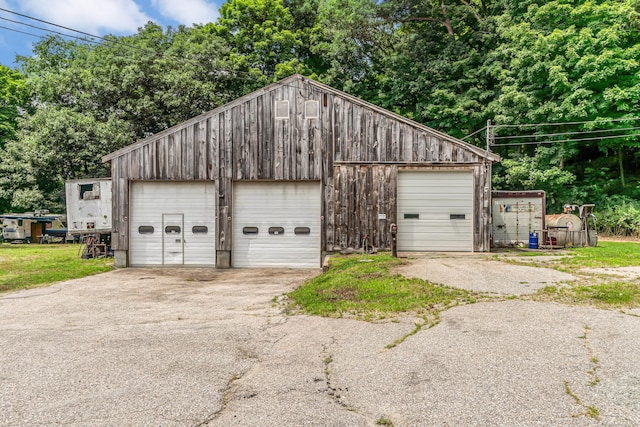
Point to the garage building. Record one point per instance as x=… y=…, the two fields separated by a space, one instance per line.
x=290 y=172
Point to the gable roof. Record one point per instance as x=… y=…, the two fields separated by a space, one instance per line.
x=482 y=153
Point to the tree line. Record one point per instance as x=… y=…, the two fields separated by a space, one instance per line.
x=560 y=80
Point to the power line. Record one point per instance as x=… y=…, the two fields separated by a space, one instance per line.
x=565 y=140
x=564 y=133
x=471 y=134
x=51 y=23
x=565 y=123
x=43 y=29
x=21 y=32
x=93 y=36
x=107 y=42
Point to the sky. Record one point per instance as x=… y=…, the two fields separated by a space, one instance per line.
x=96 y=17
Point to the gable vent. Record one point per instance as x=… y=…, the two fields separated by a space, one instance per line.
x=282 y=110
x=311 y=109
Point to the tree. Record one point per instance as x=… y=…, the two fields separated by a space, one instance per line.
x=569 y=61
x=13 y=102
x=353 y=39
x=262 y=37
x=90 y=100
x=439 y=71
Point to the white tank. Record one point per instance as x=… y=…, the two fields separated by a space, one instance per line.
x=564 y=230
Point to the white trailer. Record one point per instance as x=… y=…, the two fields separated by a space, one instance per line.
x=89 y=206
x=515 y=215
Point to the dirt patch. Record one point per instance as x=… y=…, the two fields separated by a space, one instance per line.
x=624 y=273
x=482 y=275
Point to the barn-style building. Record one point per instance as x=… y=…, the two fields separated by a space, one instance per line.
x=295 y=170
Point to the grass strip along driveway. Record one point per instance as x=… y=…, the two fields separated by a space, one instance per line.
x=25 y=266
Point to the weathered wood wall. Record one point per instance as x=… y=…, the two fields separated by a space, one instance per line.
x=353 y=148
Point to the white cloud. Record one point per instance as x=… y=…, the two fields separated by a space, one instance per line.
x=187 y=12
x=94 y=16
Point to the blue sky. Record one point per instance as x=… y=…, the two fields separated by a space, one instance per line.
x=98 y=17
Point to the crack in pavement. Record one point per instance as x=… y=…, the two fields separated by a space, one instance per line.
x=227 y=396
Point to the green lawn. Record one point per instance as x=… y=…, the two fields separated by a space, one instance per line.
x=606 y=254
x=25 y=266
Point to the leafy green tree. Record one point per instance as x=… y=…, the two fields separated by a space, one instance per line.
x=13 y=102
x=353 y=39
x=263 y=39
x=535 y=172
x=91 y=100
x=568 y=61
x=439 y=71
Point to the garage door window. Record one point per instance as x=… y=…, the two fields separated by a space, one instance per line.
x=172 y=229
x=249 y=230
x=200 y=229
x=145 y=229
x=276 y=230
x=302 y=231
x=411 y=216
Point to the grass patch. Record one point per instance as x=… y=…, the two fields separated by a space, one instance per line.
x=367 y=290
x=25 y=266
x=604 y=295
x=606 y=254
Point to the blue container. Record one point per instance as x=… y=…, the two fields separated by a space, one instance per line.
x=533 y=240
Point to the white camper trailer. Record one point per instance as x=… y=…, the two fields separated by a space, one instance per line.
x=89 y=206
x=29 y=227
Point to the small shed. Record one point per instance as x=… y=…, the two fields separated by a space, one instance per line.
x=290 y=172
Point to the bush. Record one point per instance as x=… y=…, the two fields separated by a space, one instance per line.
x=620 y=217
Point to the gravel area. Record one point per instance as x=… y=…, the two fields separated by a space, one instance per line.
x=211 y=348
x=627 y=273
x=476 y=273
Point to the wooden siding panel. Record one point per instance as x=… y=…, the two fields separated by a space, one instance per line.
x=201 y=152
x=361 y=194
x=225 y=174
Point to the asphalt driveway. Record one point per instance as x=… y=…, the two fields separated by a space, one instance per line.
x=146 y=347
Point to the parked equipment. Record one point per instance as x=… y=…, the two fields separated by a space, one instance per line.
x=89 y=215
x=568 y=229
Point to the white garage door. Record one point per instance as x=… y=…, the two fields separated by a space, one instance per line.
x=435 y=211
x=276 y=224
x=172 y=223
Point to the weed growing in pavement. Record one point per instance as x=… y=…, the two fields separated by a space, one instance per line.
x=590 y=411
x=384 y=422
x=595 y=362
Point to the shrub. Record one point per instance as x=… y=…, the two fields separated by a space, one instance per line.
x=620 y=217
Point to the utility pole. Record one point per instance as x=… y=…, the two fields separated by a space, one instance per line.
x=489 y=135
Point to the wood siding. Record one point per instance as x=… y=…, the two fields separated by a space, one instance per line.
x=353 y=148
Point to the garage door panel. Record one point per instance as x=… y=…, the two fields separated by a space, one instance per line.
x=283 y=206
x=152 y=201
x=435 y=211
